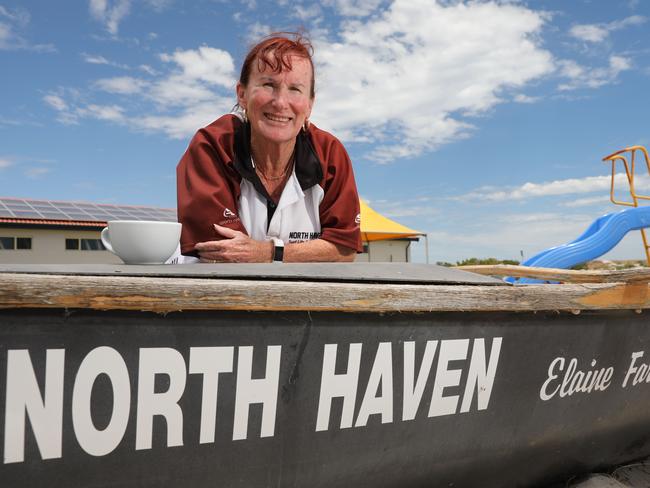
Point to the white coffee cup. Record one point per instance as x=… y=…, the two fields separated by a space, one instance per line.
x=141 y=241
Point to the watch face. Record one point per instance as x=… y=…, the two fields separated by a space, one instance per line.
x=278 y=254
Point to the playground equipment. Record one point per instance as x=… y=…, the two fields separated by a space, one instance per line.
x=606 y=231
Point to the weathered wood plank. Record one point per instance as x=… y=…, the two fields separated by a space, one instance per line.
x=563 y=275
x=165 y=295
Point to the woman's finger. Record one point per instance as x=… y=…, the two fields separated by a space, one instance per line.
x=227 y=232
x=206 y=260
x=209 y=246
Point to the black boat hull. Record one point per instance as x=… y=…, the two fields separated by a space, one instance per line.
x=490 y=398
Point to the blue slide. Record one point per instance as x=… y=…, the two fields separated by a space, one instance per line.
x=601 y=236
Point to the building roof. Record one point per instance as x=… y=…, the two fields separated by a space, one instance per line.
x=83 y=214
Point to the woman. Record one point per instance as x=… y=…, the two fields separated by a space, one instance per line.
x=267 y=185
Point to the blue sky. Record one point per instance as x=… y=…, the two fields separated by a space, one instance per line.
x=480 y=123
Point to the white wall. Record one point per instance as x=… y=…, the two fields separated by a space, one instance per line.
x=391 y=251
x=48 y=247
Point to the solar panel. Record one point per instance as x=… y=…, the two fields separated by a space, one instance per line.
x=85 y=211
x=86 y=208
x=55 y=216
x=27 y=214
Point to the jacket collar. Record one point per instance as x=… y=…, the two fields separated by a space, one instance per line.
x=308 y=168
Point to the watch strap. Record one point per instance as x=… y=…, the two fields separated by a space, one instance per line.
x=278 y=250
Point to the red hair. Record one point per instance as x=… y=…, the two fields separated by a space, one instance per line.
x=275 y=52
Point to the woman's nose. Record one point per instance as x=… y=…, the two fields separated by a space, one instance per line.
x=280 y=97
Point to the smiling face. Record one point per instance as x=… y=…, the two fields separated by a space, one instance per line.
x=277 y=104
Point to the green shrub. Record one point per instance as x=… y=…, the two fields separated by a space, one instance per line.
x=490 y=261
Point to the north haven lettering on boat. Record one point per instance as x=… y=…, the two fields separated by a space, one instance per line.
x=456 y=375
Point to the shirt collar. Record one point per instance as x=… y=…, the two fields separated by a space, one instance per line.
x=307 y=166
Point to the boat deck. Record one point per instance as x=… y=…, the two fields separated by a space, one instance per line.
x=349 y=287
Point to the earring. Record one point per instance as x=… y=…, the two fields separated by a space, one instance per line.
x=245 y=116
x=305 y=125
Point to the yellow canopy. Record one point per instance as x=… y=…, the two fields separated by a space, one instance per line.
x=376 y=227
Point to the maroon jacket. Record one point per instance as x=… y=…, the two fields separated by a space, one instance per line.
x=210 y=173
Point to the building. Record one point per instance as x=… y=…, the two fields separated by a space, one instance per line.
x=62 y=232
x=50 y=232
x=385 y=240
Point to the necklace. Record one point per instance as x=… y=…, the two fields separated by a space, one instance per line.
x=274 y=178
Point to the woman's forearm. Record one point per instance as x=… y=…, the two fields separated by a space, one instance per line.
x=317 y=250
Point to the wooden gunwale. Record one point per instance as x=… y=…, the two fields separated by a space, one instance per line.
x=168 y=294
x=563 y=275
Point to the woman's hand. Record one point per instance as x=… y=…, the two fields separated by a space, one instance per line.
x=237 y=247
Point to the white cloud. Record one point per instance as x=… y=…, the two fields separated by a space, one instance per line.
x=355 y=8
x=408 y=78
x=420 y=207
x=589 y=32
x=175 y=91
x=305 y=13
x=521 y=98
x=31 y=172
x=101 y=60
x=506 y=236
x=34 y=173
x=585 y=77
x=93 y=59
x=19 y=16
x=197 y=88
x=70 y=112
x=599 y=32
x=110 y=13
x=125 y=85
x=42 y=160
x=159 y=5
x=257 y=31
x=561 y=187
x=585 y=202
x=207 y=64
x=112 y=113
x=557 y=187
x=12 y=22
x=5 y=33
x=182 y=125
x=148 y=69
x=5 y=163
x=56 y=102
x=4 y=121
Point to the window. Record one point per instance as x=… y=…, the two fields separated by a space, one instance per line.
x=84 y=245
x=92 y=245
x=7 y=243
x=72 y=244
x=13 y=243
x=23 y=242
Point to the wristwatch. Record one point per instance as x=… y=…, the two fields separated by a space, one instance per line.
x=278 y=250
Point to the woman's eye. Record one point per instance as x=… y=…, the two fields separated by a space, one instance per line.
x=296 y=89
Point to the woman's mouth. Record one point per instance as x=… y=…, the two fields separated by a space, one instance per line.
x=277 y=118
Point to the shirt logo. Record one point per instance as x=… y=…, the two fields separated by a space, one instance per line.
x=228 y=214
x=303 y=236
x=357 y=219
